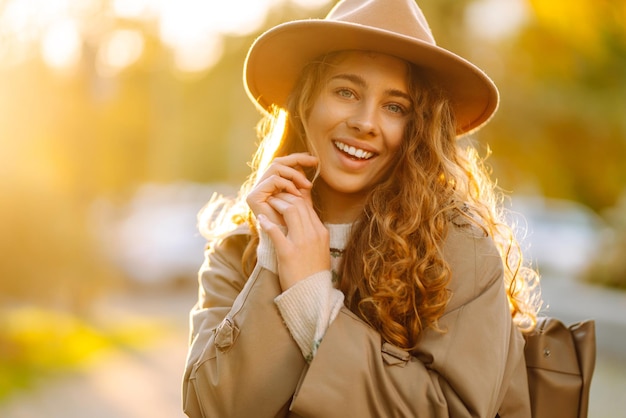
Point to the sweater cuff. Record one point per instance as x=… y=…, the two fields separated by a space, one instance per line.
x=266 y=253
x=308 y=308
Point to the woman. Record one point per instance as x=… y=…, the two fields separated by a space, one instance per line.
x=364 y=270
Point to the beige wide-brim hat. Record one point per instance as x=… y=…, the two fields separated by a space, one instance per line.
x=394 y=27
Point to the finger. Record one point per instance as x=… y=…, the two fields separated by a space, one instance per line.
x=297 y=213
x=301 y=162
x=296 y=175
x=282 y=205
x=298 y=159
x=303 y=201
x=273 y=231
x=276 y=184
x=307 y=194
x=292 y=214
x=257 y=199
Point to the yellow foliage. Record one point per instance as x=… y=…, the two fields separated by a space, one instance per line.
x=583 y=24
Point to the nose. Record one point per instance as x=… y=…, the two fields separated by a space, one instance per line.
x=363 y=120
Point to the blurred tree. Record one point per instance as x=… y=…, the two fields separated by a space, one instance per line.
x=561 y=127
x=71 y=136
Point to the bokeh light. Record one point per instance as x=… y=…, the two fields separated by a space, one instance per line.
x=497 y=19
x=193 y=29
x=61 y=44
x=118 y=50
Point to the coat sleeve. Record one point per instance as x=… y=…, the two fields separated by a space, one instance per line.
x=242 y=361
x=463 y=372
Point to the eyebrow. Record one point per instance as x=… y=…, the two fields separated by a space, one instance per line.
x=360 y=81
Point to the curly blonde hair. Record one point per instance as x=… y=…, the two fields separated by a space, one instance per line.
x=394 y=274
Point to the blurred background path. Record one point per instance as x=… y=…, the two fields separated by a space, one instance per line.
x=121 y=383
x=146 y=383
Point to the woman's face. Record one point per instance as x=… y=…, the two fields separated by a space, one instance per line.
x=357 y=122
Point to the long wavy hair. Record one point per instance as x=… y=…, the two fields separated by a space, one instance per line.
x=394 y=274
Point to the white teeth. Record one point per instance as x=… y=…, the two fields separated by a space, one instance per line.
x=355 y=152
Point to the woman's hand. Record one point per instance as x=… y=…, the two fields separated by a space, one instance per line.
x=282 y=197
x=285 y=174
x=305 y=248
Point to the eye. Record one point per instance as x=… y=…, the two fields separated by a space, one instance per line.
x=345 y=93
x=396 y=108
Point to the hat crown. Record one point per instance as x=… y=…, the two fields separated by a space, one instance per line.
x=402 y=17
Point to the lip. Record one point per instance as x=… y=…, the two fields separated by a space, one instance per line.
x=361 y=148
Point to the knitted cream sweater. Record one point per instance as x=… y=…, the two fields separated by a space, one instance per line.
x=310 y=306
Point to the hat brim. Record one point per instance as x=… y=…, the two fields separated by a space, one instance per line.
x=277 y=57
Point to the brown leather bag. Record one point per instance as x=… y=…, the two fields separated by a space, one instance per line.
x=560 y=361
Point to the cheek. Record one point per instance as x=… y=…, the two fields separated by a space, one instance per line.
x=396 y=139
x=320 y=113
x=396 y=145
x=319 y=122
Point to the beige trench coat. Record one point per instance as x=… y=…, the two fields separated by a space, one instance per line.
x=243 y=362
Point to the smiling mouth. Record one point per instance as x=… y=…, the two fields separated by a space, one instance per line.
x=352 y=152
